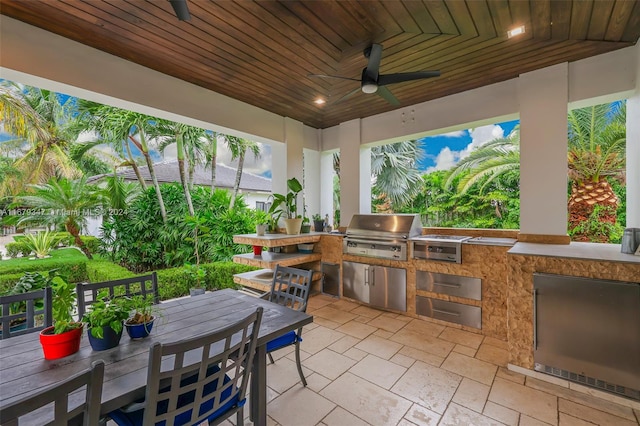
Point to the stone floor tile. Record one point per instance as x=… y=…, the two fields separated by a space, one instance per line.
x=281 y=353
x=502 y=414
x=316 y=382
x=366 y=311
x=503 y=373
x=362 y=319
x=457 y=415
x=344 y=305
x=310 y=326
x=425 y=327
x=465 y=350
x=329 y=363
x=378 y=371
x=530 y=421
x=423 y=356
x=292 y=355
x=383 y=333
x=344 y=344
x=423 y=342
x=471 y=394
x=355 y=354
x=282 y=375
x=567 y=420
x=367 y=401
x=299 y=406
x=318 y=339
x=532 y=402
x=402 y=360
x=405 y=422
x=317 y=302
x=472 y=368
x=389 y=324
x=493 y=354
x=591 y=414
x=418 y=415
x=582 y=399
x=378 y=346
x=496 y=342
x=604 y=396
x=326 y=323
x=428 y=386
x=341 y=417
x=462 y=337
x=334 y=315
x=356 y=329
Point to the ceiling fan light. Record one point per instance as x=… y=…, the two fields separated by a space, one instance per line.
x=369 y=87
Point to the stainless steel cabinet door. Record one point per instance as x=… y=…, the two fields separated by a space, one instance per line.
x=355 y=281
x=388 y=287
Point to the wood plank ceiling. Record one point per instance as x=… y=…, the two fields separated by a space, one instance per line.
x=262 y=52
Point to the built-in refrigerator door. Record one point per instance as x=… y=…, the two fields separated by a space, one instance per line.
x=355 y=281
x=388 y=288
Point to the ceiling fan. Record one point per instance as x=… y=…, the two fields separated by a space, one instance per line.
x=181 y=9
x=374 y=82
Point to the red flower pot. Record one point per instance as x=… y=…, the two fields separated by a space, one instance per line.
x=60 y=345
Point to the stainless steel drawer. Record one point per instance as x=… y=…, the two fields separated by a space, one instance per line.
x=453 y=285
x=449 y=311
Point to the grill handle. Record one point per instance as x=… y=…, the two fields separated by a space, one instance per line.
x=366 y=276
x=442 y=311
x=447 y=285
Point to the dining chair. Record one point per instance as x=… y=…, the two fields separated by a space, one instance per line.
x=200 y=379
x=88 y=412
x=143 y=285
x=29 y=314
x=290 y=287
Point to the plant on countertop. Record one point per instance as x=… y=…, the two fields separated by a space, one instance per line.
x=287 y=204
x=106 y=312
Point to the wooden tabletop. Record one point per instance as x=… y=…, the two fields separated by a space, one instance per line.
x=23 y=369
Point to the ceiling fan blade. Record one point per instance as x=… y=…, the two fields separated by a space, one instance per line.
x=386 y=94
x=373 y=67
x=181 y=9
x=332 y=76
x=406 y=76
x=347 y=96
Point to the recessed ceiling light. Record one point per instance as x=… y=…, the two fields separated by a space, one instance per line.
x=319 y=101
x=515 y=31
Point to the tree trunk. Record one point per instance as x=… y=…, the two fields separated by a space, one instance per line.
x=183 y=179
x=75 y=232
x=214 y=158
x=584 y=200
x=136 y=170
x=145 y=151
x=236 y=185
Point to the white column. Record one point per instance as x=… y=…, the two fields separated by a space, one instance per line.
x=349 y=142
x=543 y=99
x=326 y=185
x=278 y=168
x=312 y=181
x=294 y=140
x=633 y=152
x=365 y=181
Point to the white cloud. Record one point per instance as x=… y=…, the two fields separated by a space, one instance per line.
x=445 y=160
x=479 y=136
x=456 y=134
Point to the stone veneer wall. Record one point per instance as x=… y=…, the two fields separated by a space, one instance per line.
x=520 y=299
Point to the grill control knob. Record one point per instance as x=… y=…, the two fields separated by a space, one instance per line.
x=439 y=249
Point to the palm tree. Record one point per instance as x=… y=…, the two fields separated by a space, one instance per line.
x=62 y=200
x=239 y=147
x=597 y=137
x=121 y=127
x=393 y=167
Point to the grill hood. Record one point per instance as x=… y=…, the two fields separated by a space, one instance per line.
x=385 y=226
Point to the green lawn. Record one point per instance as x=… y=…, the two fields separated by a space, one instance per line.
x=66 y=254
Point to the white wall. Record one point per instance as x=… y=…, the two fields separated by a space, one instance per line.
x=633 y=152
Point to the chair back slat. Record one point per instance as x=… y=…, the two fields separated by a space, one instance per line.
x=211 y=372
x=291 y=287
x=34 y=319
x=144 y=285
x=87 y=383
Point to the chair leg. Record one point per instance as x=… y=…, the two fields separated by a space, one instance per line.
x=299 y=365
x=271 y=358
x=240 y=417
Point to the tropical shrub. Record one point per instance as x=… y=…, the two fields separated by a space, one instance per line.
x=19 y=247
x=141 y=241
x=103 y=270
x=91 y=243
x=40 y=243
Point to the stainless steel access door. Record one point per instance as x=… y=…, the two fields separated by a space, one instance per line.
x=388 y=287
x=354 y=283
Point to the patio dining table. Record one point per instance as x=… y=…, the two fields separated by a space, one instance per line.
x=24 y=371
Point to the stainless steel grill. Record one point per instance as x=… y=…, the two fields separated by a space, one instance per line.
x=446 y=248
x=382 y=236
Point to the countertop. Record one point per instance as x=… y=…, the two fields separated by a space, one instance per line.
x=576 y=250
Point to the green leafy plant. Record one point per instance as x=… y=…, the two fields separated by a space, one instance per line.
x=107 y=312
x=316 y=217
x=63 y=304
x=142 y=308
x=41 y=243
x=287 y=204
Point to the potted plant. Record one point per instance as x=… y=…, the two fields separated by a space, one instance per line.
x=105 y=321
x=287 y=205
x=139 y=324
x=318 y=223
x=63 y=338
x=306 y=226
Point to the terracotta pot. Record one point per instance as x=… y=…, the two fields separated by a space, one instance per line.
x=57 y=346
x=293 y=226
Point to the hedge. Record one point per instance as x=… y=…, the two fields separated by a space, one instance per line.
x=19 y=247
x=103 y=270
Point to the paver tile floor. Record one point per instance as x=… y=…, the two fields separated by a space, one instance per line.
x=370 y=367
